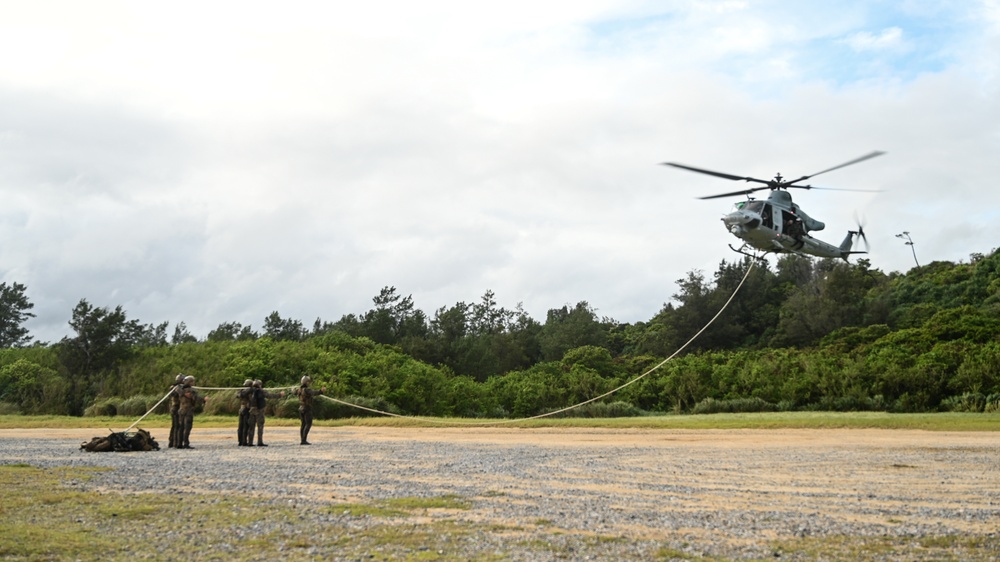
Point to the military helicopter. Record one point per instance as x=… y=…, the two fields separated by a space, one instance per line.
x=777 y=225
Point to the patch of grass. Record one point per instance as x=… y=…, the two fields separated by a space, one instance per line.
x=958 y=542
x=365 y=510
x=863 y=549
x=448 y=501
x=400 y=507
x=665 y=553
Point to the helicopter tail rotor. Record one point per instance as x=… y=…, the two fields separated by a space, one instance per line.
x=861 y=231
x=853 y=236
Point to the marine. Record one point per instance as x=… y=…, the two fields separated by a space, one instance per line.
x=174 y=406
x=258 y=401
x=244 y=433
x=305 y=395
x=185 y=414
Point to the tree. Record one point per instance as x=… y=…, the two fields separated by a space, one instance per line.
x=566 y=328
x=182 y=335
x=14 y=307
x=393 y=319
x=232 y=331
x=834 y=298
x=104 y=339
x=147 y=335
x=278 y=328
x=489 y=318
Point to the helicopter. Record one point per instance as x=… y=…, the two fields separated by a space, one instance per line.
x=778 y=225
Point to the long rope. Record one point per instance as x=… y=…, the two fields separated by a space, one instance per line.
x=500 y=422
x=568 y=408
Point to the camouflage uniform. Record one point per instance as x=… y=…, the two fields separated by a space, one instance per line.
x=258 y=401
x=305 y=395
x=245 y=431
x=174 y=405
x=185 y=414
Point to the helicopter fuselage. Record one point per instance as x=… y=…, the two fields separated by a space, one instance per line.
x=777 y=225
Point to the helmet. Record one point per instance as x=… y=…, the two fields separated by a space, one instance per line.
x=180 y=378
x=188 y=379
x=248 y=382
x=306 y=379
x=258 y=383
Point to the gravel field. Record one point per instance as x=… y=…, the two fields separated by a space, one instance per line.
x=716 y=493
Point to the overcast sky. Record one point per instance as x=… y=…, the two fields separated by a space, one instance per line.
x=212 y=162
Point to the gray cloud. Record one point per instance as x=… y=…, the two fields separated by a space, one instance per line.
x=300 y=165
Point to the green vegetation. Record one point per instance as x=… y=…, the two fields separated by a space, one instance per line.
x=811 y=335
x=943 y=421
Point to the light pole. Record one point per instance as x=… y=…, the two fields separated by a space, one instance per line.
x=909 y=242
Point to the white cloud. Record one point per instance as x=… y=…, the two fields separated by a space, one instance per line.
x=216 y=162
x=890 y=38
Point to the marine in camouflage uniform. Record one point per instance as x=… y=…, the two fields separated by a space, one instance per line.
x=258 y=401
x=245 y=430
x=174 y=404
x=305 y=395
x=185 y=414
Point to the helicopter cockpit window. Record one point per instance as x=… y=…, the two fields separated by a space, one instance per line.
x=755 y=206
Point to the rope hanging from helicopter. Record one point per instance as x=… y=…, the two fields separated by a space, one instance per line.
x=585 y=402
x=539 y=416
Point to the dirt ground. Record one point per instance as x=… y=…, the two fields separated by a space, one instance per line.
x=750 y=485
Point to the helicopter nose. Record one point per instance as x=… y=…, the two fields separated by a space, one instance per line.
x=736 y=219
x=740 y=221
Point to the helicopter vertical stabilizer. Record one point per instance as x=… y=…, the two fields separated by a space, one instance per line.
x=845 y=246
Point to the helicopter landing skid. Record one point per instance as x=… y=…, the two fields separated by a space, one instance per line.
x=742 y=251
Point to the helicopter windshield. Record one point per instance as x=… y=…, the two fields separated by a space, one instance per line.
x=753 y=206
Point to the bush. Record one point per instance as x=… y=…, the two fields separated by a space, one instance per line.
x=324 y=409
x=137 y=405
x=289 y=408
x=104 y=408
x=617 y=409
x=222 y=403
x=968 y=402
x=992 y=404
x=850 y=404
x=733 y=406
x=9 y=409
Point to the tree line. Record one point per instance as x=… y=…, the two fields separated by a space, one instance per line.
x=806 y=334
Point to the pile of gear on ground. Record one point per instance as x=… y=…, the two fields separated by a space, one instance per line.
x=121 y=442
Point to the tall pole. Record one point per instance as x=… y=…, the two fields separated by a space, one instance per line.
x=909 y=242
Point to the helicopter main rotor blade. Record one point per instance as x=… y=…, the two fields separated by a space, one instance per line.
x=716 y=174
x=834 y=188
x=837 y=167
x=742 y=192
